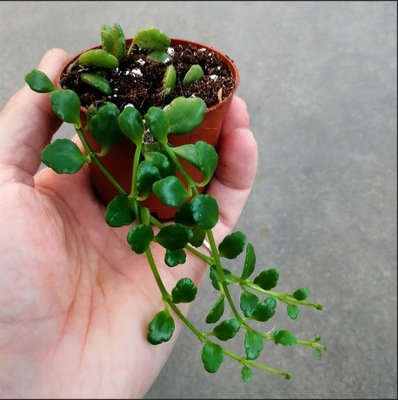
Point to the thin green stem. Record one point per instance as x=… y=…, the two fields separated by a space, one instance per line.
x=246 y=362
x=155 y=273
x=222 y=277
x=93 y=156
x=136 y=162
x=284 y=297
x=209 y=260
x=311 y=343
x=166 y=296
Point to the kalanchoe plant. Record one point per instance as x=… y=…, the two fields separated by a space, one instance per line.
x=155 y=167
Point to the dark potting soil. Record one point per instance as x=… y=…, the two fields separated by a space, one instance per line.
x=139 y=81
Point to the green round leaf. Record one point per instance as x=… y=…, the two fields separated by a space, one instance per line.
x=248 y=302
x=292 y=311
x=105 y=127
x=214 y=276
x=140 y=237
x=184 y=215
x=175 y=257
x=184 y=291
x=152 y=38
x=284 y=337
x=216 y=311
x=66 y=105
x=232 y=245
x=201 y=155
x=267 y=279
x=170 y=191
x=147 y=175
x=158 y=123
x=106 y=38
x=204 y=211
x=194 y=74
x=246 y=374
x=250 y=262
x=119 y=211
x=161 y=328
x=208 y=160
x=39 y=82
x=98 y=82
x=118 y=42
x=212 y=357
x=162 y=163
x=264 y=310
x=169 y=80
x=185 y=114
x=188 y=153
x=198 y=236
x=98 y=58
x=131 y=124
x=227 y=329
x=174 y=237
x=63 y=156
x=253 y=344
x=301 y=294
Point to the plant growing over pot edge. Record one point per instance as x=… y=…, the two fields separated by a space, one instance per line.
x=159 y=168
x=154 y=87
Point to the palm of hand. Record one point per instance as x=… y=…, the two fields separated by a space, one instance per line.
x=81 y=298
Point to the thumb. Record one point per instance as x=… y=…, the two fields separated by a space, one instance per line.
x=27 y=123
x=237 y=165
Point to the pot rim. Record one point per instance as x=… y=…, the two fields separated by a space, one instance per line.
x=174 y=41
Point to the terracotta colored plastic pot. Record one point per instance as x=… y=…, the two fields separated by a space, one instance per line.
x=118 y=161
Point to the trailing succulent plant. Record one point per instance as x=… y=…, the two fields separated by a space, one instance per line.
x=155 y=167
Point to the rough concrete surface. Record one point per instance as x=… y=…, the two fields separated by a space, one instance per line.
x=320 y=82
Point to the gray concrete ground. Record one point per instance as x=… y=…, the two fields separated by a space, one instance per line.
x=320 y=82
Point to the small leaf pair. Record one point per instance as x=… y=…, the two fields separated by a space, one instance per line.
x=232 y=246
x=171 y=237
x=63 y=155
x=162 y=326
x=155 y=40
x=201 y=155
x=179 y=117
x=113 y=40
x=194 y=73
x=253 y=308
x=65 y=103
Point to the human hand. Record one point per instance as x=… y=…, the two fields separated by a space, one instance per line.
x=73 y=314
